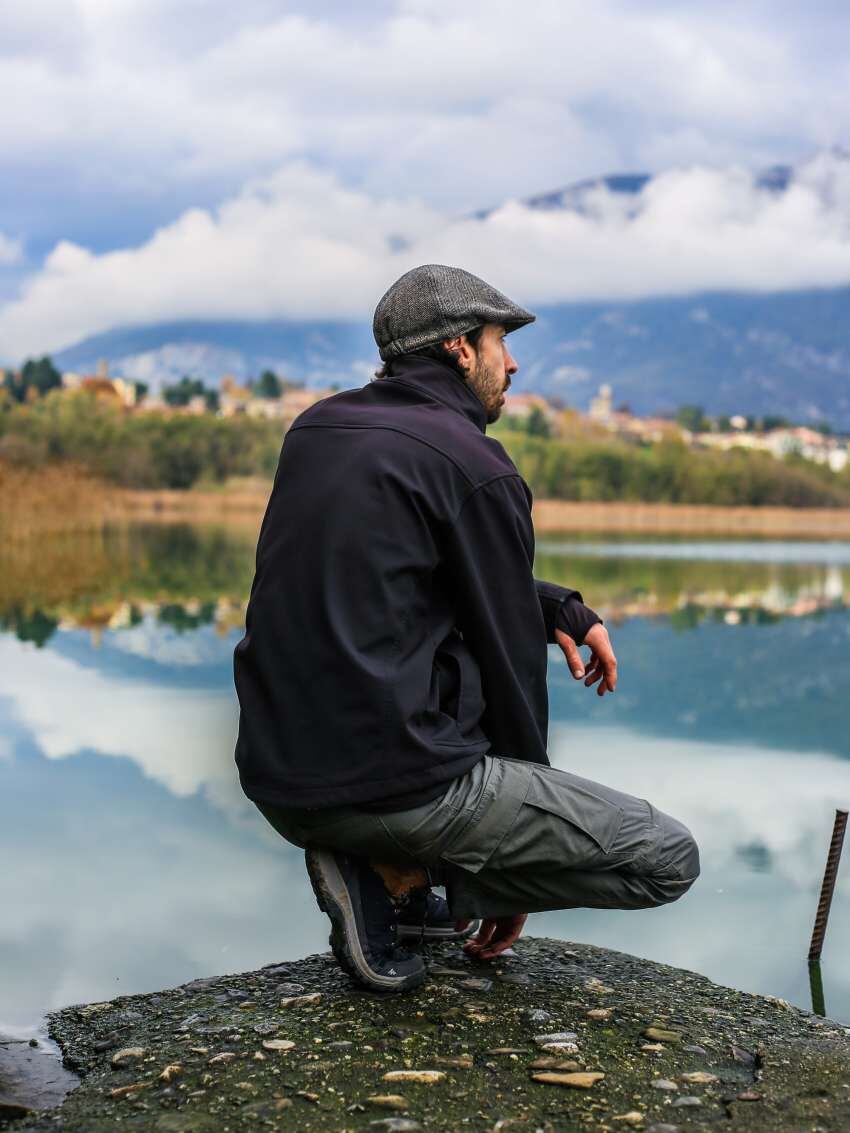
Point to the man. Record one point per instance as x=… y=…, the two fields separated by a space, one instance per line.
x=392 y=677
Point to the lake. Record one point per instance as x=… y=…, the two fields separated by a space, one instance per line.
x=133 y=861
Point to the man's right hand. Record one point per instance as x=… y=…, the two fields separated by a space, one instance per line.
x=495 y=936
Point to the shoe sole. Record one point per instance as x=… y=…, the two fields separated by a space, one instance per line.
x=416 y=932
x=335 y=901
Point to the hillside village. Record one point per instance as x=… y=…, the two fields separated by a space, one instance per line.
x=279 y=399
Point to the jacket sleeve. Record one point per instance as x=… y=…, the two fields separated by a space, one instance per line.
x=564 y=609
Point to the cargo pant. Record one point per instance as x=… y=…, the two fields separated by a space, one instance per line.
x=515 y=837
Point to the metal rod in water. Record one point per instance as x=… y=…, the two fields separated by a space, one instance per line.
x=828 y=887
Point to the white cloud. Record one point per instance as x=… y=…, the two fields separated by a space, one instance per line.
x=301 y=244
x=11 y=251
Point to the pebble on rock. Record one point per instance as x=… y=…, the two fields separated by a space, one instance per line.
x=699 y=1077
x=172 y=1070
x=388 y=1101
x=633 y=1117
x=133 y=1088
x=556 y=1037
x=662 y=1035
x=579 y=1080
x=278 y=1044
x=663 y=1084
x=600 y=1013
x=129 y=1054
x=301 y=1000
x=395 y=1124
x=554 y=1064
x=426 y=1077
x=687 y=1100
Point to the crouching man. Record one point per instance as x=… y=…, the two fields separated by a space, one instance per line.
x=392 y=676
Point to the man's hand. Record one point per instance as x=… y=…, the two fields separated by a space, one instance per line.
x=495 y=936
x=601 y=667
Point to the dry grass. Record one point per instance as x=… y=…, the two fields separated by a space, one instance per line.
x=552 y=516
x=59 y=499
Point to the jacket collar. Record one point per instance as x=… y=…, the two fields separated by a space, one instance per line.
x=441 y=383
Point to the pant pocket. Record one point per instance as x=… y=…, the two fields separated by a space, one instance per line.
x=573 y=799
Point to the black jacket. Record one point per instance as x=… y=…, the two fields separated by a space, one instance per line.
x=395 y=631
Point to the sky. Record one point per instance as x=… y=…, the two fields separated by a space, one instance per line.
x=168 y=159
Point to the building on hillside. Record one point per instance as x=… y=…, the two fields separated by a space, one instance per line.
x=286 y=407
x=521 y=406
x=779 y=443
x=233 y=398
x=602 y=406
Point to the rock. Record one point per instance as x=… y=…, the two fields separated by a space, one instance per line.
x=653 y=1048
x=699 y=1077
x=633 y=1117
x=190 y=1021
x=134 y=1088
x=462 y=1062
x=301 y=1000
x=663 y=1127
x=10 y=1110
x=276 y=970
x=172 y=1070
x=129 y=1054
x=578 y=1080
x=536 y=1015
x=225 y=1056
x=662 y=1035
x=388 y=1101
x=106 y=1043
x=695 y=1049
x=556 y=1037
x=265 y=1028
x=554 y=1064
x=278 y=1044
x=597 y=986
x=395 y=1124
x=425 y=1077
x=749 y=1096
x=507 y=1050
x=290 y=989
x=600 y=1013
x=663 y=1084
x=439 y=970
x=742 y=1056
x=475 y=983
x=687 y=1100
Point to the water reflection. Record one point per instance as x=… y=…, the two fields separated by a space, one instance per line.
x=139 y=863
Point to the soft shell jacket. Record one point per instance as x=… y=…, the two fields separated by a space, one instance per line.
x=395 y=632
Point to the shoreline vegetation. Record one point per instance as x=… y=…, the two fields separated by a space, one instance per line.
x=59 y=498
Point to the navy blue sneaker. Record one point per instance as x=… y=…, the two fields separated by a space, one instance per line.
x=426 y=918
x=364 y=922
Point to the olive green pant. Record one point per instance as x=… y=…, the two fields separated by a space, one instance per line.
x=515 y=837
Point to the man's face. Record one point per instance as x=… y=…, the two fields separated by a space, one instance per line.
x=490 y=370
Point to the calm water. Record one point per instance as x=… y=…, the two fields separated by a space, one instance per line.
x=133 y=861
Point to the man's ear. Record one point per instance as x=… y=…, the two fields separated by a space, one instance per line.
x=461 y=348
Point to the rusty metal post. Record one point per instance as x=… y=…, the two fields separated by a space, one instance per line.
x=828 y=887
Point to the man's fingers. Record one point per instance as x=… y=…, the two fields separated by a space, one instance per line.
x=481 y=938
x=571 y=653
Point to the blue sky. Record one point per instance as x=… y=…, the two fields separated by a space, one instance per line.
x=120 y=117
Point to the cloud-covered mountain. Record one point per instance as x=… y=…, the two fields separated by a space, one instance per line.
x=734 y=344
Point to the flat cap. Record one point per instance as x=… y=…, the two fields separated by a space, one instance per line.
x=434 y=302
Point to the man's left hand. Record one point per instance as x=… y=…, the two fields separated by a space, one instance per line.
x=602 y=666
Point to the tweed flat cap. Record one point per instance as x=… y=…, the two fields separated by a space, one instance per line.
x=434 y=302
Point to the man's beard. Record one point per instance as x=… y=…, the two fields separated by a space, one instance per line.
x=489 y=387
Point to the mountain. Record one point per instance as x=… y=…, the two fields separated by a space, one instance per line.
x=783 y=353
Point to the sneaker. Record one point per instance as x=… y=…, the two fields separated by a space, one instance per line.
x=363 y=918
x=426 y=918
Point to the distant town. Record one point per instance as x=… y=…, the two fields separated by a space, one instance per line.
x=276 y=398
